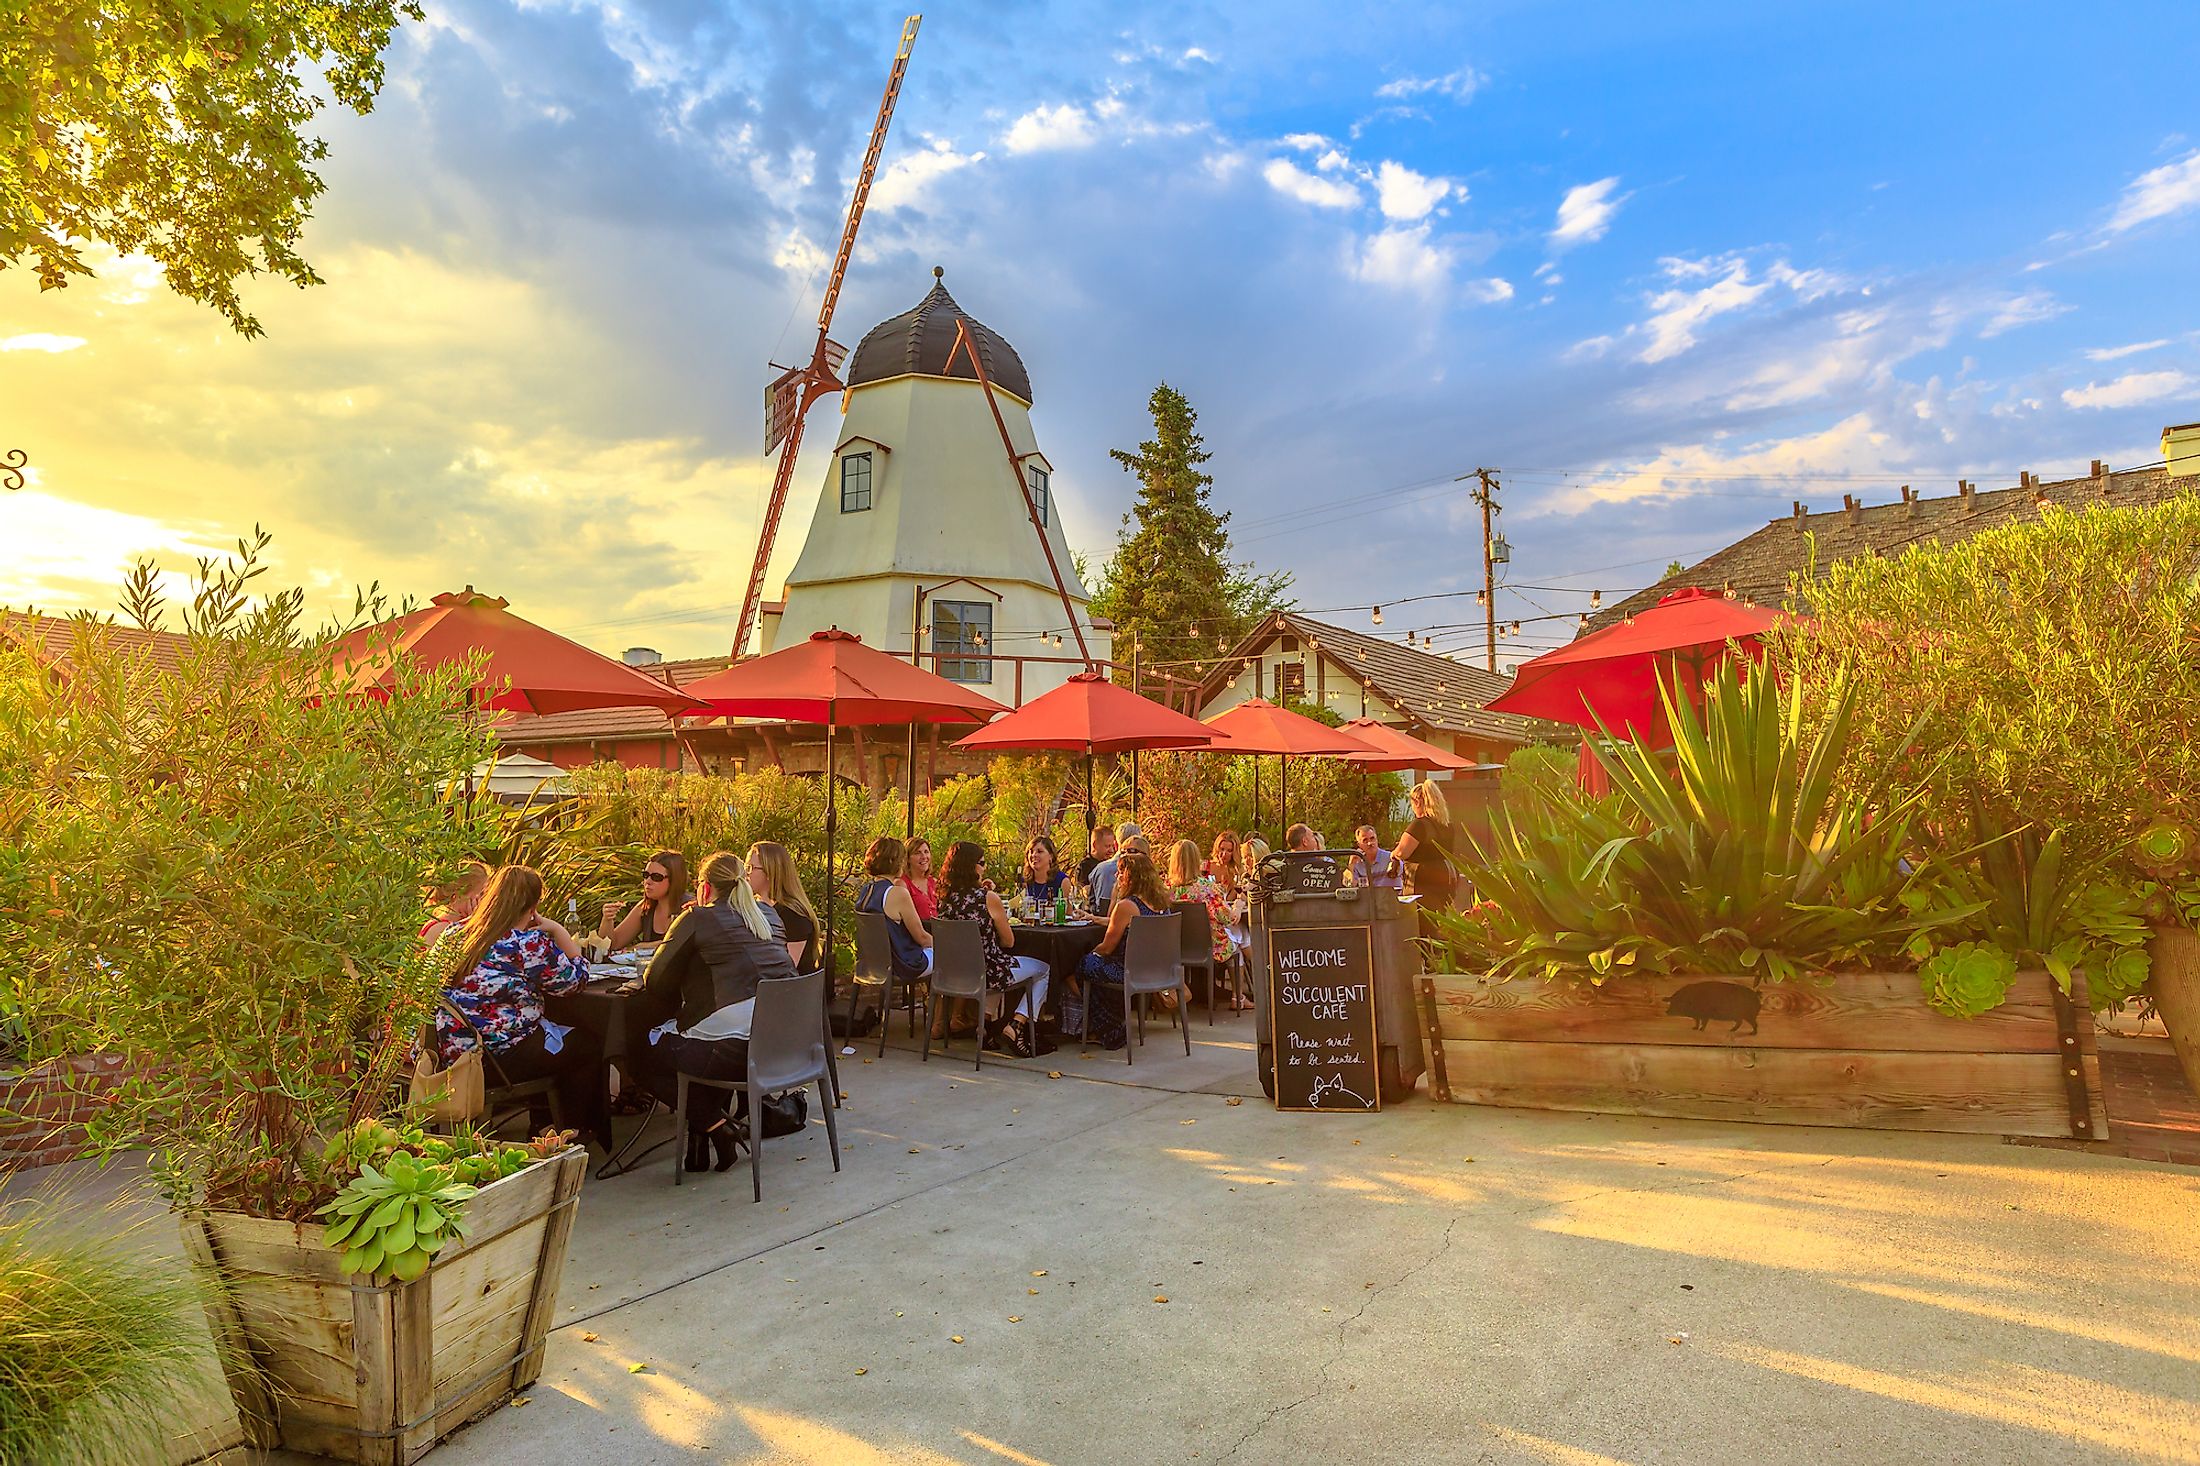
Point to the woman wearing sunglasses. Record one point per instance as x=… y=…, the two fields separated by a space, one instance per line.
x=664 y=897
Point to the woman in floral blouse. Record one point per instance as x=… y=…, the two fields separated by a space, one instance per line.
x=1187 y=882
x=503 y=962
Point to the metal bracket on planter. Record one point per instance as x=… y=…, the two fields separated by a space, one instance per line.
x=2070 y=1054
x=1432 y=1036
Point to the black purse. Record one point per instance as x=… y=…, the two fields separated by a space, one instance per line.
x=785 y=1114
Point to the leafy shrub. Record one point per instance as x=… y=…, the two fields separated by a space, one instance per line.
x=2047 y=672
x=1735 y=851
x=101 y=1342
x=1536 y=773
x=218 y=867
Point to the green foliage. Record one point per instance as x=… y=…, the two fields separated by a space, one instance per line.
x=218 y=867
x=176 y=128
x=101 y=1342
x=1538 y=773
x=1736 y=851
x=1194 y=795
x=1968 y=978
x=1170 y=587
x=2041 y=909
x=391 y=1223
x=2048 y=672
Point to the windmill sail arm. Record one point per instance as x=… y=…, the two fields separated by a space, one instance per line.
x=865 y=175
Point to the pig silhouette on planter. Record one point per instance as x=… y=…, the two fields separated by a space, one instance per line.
x=1722 y=1002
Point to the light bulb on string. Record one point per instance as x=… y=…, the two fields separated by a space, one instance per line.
x=1596 y=599
x=1378 y=615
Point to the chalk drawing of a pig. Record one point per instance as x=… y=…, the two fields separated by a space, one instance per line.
x=1332 y=1084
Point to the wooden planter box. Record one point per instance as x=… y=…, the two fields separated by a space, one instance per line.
x=337 y=1366
x=1861 y=1050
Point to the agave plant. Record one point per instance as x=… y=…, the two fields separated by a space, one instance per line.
x=1737 y=850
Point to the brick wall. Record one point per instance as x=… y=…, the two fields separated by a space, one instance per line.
x=42 y=1111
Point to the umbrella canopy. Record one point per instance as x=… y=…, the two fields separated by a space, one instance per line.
x=1396 y=750
x=1089 y=714
x=1259 y=726
x=529 y=669
x=1611 y=676
x=834 y=679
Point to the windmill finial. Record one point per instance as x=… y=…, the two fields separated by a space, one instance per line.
x=938 y=273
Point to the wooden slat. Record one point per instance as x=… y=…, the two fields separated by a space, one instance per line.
x=374 y=1345
x=247 y=1385
x=1995 y=1094
x=1871 y=1010
x=2089 y=1049
x=280 y=1249
x=570 y=1171
x=413 y=1348
x=501 y=1205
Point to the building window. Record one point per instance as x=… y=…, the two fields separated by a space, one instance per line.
x=1039 y=498
x=855 y=482
x=1291 y=680
x=961 y=631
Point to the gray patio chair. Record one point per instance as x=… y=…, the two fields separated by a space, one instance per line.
x=875 y=968
x=1153 y=962
x=958 y=971
x=1199 y=951
x=787 y=1050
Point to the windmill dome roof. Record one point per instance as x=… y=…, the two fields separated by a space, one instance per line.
x=917 y=343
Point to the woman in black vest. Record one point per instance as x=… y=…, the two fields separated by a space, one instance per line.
x=1428 y=849
x=702 y=984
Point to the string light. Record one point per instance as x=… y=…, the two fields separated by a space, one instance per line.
x=1378 y=615
x=1596 y=599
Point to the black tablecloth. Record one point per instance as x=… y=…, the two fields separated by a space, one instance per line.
x=1060 y=947
x=615 y=1018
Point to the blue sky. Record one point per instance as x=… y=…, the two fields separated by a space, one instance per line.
x=1667 y=267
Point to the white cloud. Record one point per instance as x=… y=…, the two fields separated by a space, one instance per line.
x=1332 y=161
x=1306 y=142
x=41 y=341
x=2158 y=193
x=1586 y=212
x=1548 y=271
x=1675 y=315
x=1405 y=259
x=1045 y=129
x=1460 y=85
x=1198 y=53
x=2131 y=390
x=2114 y=353
x=905 y=180
x=1286 y=177
x=797 y=255
x=1490 y=291
x=1406 y=195
x=2022 y=310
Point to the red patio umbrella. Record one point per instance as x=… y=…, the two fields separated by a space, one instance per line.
x=1091 y=715
x=529 y=669
x=1394 y=750
x=1610 y=677
x=834 y=679
x=1258 y=726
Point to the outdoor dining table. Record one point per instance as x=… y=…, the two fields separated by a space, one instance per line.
x=615 y=1017
x=1062 y=948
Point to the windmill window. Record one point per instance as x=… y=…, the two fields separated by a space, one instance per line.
x=961 y=632
x=1040 y=498
x=855 y=482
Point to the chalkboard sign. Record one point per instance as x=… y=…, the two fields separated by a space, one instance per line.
x=1306 y=872
x=1321 y=1015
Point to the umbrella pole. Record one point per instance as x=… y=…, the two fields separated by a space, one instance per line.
x=1283 y=795
x=911 y=769
x=1255 y=824
x=1134 y=783
x=832 y=830
x=1092 y=816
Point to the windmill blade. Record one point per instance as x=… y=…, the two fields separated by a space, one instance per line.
x=787 y=401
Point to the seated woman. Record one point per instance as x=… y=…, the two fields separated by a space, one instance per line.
x=963 y=897
x=778 y=889
x=664 y=897
x=910 y=943
x=501 y=964
x=1043 y=873
x=1187 y=882
x=455 y=901
x=702 y=985
x=1138 y=892
x=1225 y=866
x=916 y=878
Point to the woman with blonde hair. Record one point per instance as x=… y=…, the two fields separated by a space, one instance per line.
x=778 y=885
x=1427 y=847
x=1189 y=882
x=664 y=897
x=700 y=991
x=1226 y=866
x=500 y=966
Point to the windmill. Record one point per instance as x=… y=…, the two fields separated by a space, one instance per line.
x=787 y=401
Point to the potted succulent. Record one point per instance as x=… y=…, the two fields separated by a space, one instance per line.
x=212 y=869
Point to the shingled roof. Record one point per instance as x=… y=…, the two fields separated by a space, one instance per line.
x=1435 y=692
x=52 y=639
x=919 y=341
x=1758 y=567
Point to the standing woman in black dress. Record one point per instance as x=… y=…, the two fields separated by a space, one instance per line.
x=1428 y=849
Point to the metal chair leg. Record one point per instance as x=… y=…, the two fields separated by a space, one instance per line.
x=1184 y=1019
x=832 y=1136
x=756 y=1138
x=885 y=1011
x=927 y=1055
x=832 y=1063
x=679 y=1131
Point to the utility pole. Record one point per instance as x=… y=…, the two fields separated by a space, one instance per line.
x=1486 y=496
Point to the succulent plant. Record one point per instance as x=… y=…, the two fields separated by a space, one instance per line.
x=391 y=1223
x=2165 y=847
x=1967 y=979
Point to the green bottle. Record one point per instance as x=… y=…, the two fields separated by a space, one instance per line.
x=1061 y=909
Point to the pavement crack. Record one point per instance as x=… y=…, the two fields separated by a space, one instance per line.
x=1367 y=1301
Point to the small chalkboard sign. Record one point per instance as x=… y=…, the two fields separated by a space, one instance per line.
x=1306 y=872
x=1321 y=1014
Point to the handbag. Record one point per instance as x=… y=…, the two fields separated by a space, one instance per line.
x=785 y=1114
x=456 y=1094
